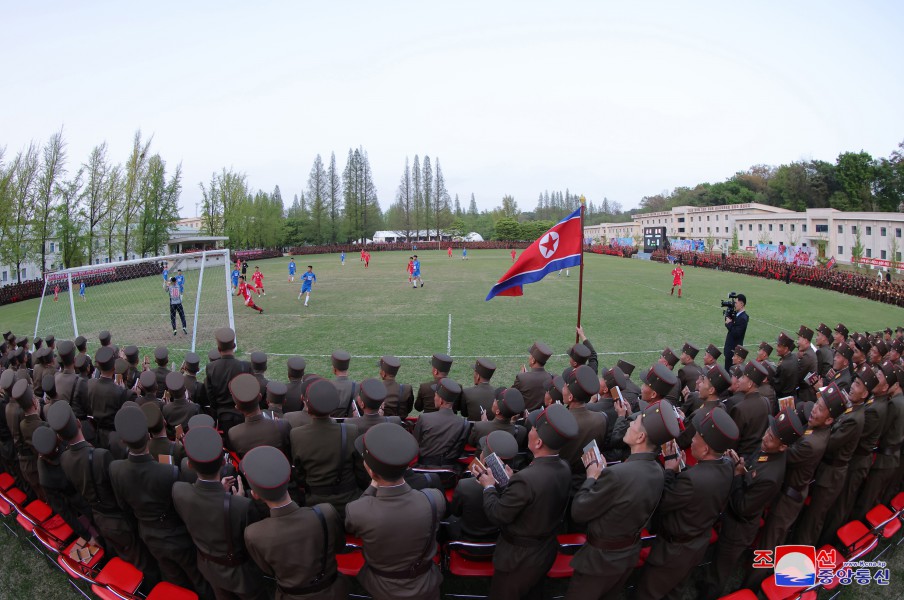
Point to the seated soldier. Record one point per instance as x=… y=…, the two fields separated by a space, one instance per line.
x=371 y=396
x=276 y=396
x=256 y=430
x=160 y=445
x=508 y=404
x=441 y=435
x=180 y=408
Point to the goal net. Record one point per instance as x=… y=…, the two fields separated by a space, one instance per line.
x=130 y=299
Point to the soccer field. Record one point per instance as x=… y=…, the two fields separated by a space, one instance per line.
x=628 y=313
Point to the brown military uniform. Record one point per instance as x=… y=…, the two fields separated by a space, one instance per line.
x=484 y=428
x=256 y=431
x=348 y=389
x=324 y=456
x=751 y=415
x=441 y=436
x=806 y=364
x=591 y=426
x=399 y=399
x=366 y=421
x=476 y=397
x=786 y=375
x=105 y=398
x=532 y=385
x=424 y=400
x=216 y=387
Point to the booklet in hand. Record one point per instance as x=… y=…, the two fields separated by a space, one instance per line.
x=593 y=448
x=497 y=468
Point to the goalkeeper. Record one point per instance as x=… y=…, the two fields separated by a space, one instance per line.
x=175 y=295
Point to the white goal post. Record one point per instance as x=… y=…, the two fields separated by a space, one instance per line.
x=130 y=299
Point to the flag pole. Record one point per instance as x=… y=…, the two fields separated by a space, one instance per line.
x=581 y=277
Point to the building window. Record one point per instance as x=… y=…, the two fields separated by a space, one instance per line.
x=869 y=230
x=781 y=226
x=822 y=229
x=760 y=226
x=707 y=217
x=882 y=254
x=681 y=219
x=840 y=250
x=869 y=252
x=708 y=229
x=792 y=226
x=750 y=242
x=750 y=227
x=898 y=256
x=804 y=228
x=51 y=245
x=854 y=229
x=841 y=229
x=740 y=228
x=23 y=274
x=897 y=232
x=5 y=276
x=770 y=226
x=882 y=232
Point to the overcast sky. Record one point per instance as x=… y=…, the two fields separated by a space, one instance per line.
x=621 y=100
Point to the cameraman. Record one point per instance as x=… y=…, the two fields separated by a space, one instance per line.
x=736 y=327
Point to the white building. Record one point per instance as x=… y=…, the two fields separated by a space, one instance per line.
x=832 y=232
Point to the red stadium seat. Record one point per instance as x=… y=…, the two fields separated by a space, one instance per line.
x=34 y=514
x=835 y=566
x=168 y=591
x=774 y=592
x=897 y=503
x=350 y=562
x=882 y=519
x=856 y=540
x=76 y=569
x=117 y=574
x=6 y=481
x=54 y=534
x=561 y=569
x=470 y=559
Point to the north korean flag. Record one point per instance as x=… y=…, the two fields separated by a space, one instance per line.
x=558 y=248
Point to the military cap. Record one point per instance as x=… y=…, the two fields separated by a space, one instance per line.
x=842 y=329
x=615 y=377
x=296 y=366
x=719 y=378
x=148 y=381
x=717 y=429
x=245 y=388
x=7 y=379
x=887 y=330
x=81 y=342
x=441 y=362
x=881 y=346
x=66 y=350
x=485 y=368
x=866 y=374
x=390 y=365
x=104 y=337
x=585 y=384
x=786 y=426
x=61 y=418
x=737 y=371
x=120 y=365
x=259 y=361
x=556 y=385
x=669 y=357
x=341 y=359
x=131 y=353
x=7 y=335
x=766 y=347
x=568 y=374
x=556 y=426
x=741 y=351
x=756 y=372
x=770 y=368
x=203 y=446
x=22 y=340
x=660 y=421
x=626 y=367
x=38 y=342
x=501 y=443
x=48 y=384
x=44 y=440
x=213 y=356
x=131 y=425
x=50 y=340
x=890 y=370
x=784 y=340
x=276 y=392
x=579 y=353
x=510 y=402
x=713 y=351
x=322 y=398
x=82 y=361
x=201 y=420
x=897 y=345
x=387 y=449
x=661 y=379
x=23 y=394
x=224 y=336
x=690 y=349
x=106 y=358
x=192 y=362
x=540 y=351
x=835 y=399
x=175 y=383
x=862 y=343
x=161 y=353
x=845 y=350
x=447 y=389
x=805 y=332
x=825 y=330
x=372 y=393
x=268 y=472
x=153 y=416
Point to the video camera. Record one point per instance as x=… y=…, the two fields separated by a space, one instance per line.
x=728 y=306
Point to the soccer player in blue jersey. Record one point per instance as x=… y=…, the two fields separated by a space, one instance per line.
x=307 y=282
x=342 y=258
x=81 y=291
x=464 y=254
x=235 y=278
x=165 y=275
x=416 y=273
x=180 y=281
x=292 y=270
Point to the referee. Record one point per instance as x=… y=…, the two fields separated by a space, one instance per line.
x=175 y=301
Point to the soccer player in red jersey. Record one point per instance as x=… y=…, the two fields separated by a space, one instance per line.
x=513 y=255
x=449 y=251
x=366 y=259
x=410 y=268
x=244 y=290
x=677 y=277
x=258 y=278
